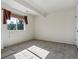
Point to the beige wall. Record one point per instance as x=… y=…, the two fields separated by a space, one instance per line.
x=58 y=27
x=16 y=36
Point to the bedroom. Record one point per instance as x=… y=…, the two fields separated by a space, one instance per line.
x=30 y=25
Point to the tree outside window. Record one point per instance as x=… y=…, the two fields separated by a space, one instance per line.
x=15 y=24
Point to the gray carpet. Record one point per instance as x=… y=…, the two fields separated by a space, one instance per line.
x=57 y=50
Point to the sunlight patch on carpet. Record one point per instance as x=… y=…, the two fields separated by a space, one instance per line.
x=39 y=51
x=32 y=53
x=25 y=54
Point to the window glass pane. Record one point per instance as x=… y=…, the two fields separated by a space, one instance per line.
x=20 y=25
x=11 y=26
x=11 y=23
x=15 y=24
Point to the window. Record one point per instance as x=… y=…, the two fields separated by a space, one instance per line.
x=15 y=24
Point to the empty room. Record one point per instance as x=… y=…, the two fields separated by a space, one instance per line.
x=39 y=29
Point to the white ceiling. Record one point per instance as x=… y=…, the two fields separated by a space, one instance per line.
x=17 y=8
x=55 y=5
x=42 y=7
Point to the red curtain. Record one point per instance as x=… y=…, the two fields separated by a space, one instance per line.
x=26 y=20
x=6 y=15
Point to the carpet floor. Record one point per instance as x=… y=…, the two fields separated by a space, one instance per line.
x=56 y=50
